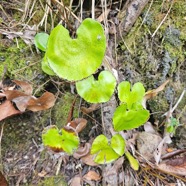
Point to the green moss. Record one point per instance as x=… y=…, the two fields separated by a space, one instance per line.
x=62 y=108
x=18 y=60
x=51 y=181
x=58 y=115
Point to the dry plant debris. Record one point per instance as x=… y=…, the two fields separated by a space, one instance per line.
x=23 y=99
x=3 y=181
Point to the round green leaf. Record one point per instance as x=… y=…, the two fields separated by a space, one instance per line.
x=45 y=67
x=99 y=143
x=133 y=162
x=97 y=91
x=40 y=41
x=107 y=155
x=130 y=96
x=67 y=141
x=75 y=59
x=124 y=119
x=118 y=144
x=105 y=152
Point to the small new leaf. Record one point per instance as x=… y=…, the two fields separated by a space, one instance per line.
x=129 y=96
x=41 y=40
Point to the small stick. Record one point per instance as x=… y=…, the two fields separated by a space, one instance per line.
x=93 y=9
x=162 y=20
x=173 y=153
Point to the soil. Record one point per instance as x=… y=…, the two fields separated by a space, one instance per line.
x=137 y=56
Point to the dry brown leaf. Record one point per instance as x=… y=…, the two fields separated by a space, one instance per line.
x=2 y=95
x=174 y=166
x=11 y=94
x=92 y=175
x=42 y=174
x=152 y=93
x=22 y=102
x=25 y=86
x=111 y=173
x=78 y=124
x=76 y=181
x=161 y=148
x=7 y=110
x=89 y=160
x=46 y=101
x=103 y=16
x=90 y=109
x=82 y=151
x=3 y=181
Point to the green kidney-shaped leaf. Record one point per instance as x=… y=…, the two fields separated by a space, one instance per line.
x=133 y=162
x=124 y=119
x=129 y=96
x=45 y=67
x=105 y=152
x=66 y=141
x=40 y=41
x=75 y=59
x=97 y=91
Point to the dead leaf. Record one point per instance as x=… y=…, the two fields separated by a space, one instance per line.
x=46 y=101
x=42 y=174
x=3 y=181
x=103 y=16
x=161 y=148
x=92 y=176
x=110 y=174
x=2 y=95
x=22 y=99
x=7 y=110
x=25 y=86
x=152 y=93
x=174 y=166
x=78 y=124
x=76 y=181
x=89 y=160
x=22 y=102
x=82 y=151
x=12 y=94
x=118 y=163
x=90 y=109
x=149 y=128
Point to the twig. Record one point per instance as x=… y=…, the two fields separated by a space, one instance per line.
x=93 y=9
x=146 y=14
x=175 y=106
x=67 y=9
x=163 y=20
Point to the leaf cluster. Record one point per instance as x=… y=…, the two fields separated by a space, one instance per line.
x=77 y=60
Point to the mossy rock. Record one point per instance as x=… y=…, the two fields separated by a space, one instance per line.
x=20 y=63
x=154 y=60
x=58 y=115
